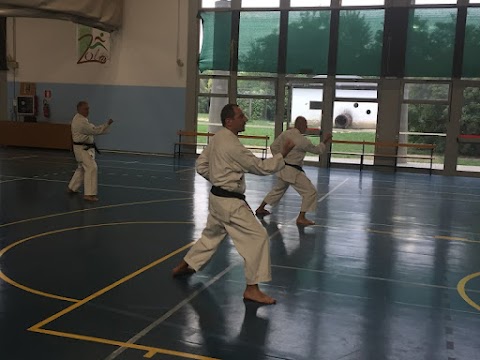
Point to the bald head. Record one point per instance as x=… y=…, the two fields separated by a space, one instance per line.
x=301 y=124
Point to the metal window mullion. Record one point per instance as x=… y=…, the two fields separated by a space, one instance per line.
x=234 y=56
x=333 y=45
x=457 y=66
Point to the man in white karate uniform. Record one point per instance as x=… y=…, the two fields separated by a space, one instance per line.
x=224 y=163
x=84 y=149
x=293 y=173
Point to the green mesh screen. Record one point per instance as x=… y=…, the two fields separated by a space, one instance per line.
x=308 y=42
x=258 y=41
x=216 y=31
x=360 y=37
x=430 y=42
x=471 y=55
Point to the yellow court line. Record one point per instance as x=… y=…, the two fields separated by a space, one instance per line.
x=437 y=237
x=452 y=238
x=462 y=292
x=58 y=297
x=91 y=209
x=33 y=291
x=184 y=170
x=106 y=289
x=150 y=351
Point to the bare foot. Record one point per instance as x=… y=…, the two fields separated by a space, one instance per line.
x=182 y=269
x=253 y=293
x=305 y=222
x=90 y=198
x=262 y=212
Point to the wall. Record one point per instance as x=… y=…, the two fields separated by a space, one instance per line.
x=142 y=88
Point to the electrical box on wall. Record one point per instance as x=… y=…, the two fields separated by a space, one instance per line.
x=26 y=105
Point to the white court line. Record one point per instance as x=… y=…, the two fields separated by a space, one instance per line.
x=317 y=291
x=187 y=300
x=106 y=185
x=169 y=313
x=91 y=209
x=72 y=161
x=11 y=180
x=188 y=169
x=372 y=278
x=19 y=158
x=330 y=192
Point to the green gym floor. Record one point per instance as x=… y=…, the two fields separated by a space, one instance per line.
x=391 y=270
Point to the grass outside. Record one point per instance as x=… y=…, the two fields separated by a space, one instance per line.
x=262 y=127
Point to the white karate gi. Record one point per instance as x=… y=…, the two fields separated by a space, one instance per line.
x=224 y=163
x=83 y=132
x=292 y=176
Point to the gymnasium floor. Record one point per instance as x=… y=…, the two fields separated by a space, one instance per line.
x=390 y=271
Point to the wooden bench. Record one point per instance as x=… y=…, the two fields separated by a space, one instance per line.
x=385 y=145
x=190 y=138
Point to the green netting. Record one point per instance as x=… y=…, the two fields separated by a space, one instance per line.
x=215 y=53
x=430 y=42
x=471 y=55
x=360 y=38
x=308 y=42
x=258 y=41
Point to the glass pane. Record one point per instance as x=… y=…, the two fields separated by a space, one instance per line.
x=258 y=41
x=216 y=3
x=215 y=44
x=358 y=90
x=261 y=120
x=255 y=87
x=308 y=41
x=430 y=42
x=423 y=124
x=355 y=115
x=471 y=65
x=434 y=2
x=360 y=41
x=209 y=109
x=307 y=101
x=213 y=86
x=474 y=1
x=469 y=147
x=362 y=2
x=260 y=3
x=426 y=92
x=353 y=121
x=309 y=3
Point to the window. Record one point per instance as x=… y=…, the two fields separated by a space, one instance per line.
x=260 y=3
x=471 y=65
x=215 y=47
x=360 y=40
x=258 y=41
x=430 y=43
x=309 y=3
x=216 y=4
x=308 y=41
x=435 y=2
x=362 y=2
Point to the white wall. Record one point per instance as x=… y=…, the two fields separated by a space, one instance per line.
x=144 y=51
x=142 y=88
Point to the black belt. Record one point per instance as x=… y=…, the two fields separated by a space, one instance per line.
x=218 y=191
x=88 y=146
x=298 y=167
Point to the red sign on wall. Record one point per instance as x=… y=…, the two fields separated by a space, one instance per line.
x=48 y=94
